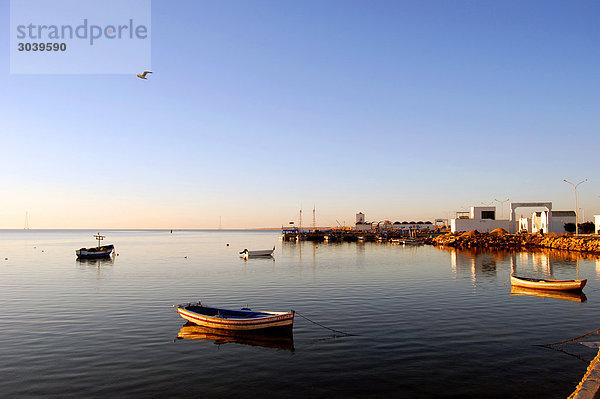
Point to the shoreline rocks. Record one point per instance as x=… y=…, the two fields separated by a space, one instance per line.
x=500 y=239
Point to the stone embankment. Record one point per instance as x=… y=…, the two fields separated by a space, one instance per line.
x=500 y=239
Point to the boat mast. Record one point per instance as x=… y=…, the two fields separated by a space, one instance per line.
x=99 y=238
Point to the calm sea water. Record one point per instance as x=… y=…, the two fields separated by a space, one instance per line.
x=428 y=322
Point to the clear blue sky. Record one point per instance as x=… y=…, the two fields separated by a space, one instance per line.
x=404 y=110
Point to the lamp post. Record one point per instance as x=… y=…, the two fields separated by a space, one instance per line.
x=576 y=216
x=502 y=206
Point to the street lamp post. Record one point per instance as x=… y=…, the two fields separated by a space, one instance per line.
x=502 y=206
x=576 y=215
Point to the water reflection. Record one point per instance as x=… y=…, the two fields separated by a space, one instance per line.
x=109 y=260
x=282 y=339
x=539 y=263
x=564 y=295
x=258 y=258
x=475 y=262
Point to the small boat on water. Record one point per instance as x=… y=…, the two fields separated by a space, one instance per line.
x=262 y=252
x=547 y=284
x=412 y=241
x=95 y=252
x=227 y=319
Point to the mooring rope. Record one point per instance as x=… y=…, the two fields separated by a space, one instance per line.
x=321 y=325
x=572 y=339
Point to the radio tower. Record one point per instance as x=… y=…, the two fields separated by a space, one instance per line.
x=314 y=217
x=300 y=222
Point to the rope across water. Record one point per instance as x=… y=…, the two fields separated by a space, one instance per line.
x=321 y=325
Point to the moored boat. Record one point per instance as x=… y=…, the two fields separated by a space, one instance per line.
x=412 y=241
x=262 y=252
x=227 y=319
x=547 y=284
x=95 y=252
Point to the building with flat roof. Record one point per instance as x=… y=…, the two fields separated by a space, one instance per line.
x=480 y=218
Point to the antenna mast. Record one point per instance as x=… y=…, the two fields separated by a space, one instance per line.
x=314 y=217
x=99 y=238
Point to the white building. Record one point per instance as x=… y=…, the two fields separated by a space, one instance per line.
x=551 y=221
x=538 y=223
x=558 y=219
x=597 y=223
x=481 y=218
x=525 y=225
x=360 y=217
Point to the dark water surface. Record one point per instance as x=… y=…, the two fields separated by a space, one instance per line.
x=428 y=322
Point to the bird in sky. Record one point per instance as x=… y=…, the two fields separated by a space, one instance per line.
x=143 y=75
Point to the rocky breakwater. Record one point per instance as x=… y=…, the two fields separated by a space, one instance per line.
x=500 y=239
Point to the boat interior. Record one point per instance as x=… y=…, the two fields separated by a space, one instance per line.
x=226 y=313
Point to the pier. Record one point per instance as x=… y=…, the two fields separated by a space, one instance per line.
x=347 y=235
x=589 y=387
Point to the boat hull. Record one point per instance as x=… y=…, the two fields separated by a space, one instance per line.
x=553 y=285
x=256 y=254
x=90 y=253
x=193 y=314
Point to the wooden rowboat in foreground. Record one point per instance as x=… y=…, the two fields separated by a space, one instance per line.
x=547 y=284
x=240 y=320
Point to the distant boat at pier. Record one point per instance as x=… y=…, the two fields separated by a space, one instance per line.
x=413 y=241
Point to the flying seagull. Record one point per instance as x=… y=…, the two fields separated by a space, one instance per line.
x=143 y=75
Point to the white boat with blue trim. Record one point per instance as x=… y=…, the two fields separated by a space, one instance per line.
x=261 y=252
x=227 y=319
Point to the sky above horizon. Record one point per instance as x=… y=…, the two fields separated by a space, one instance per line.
x=404 y=110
